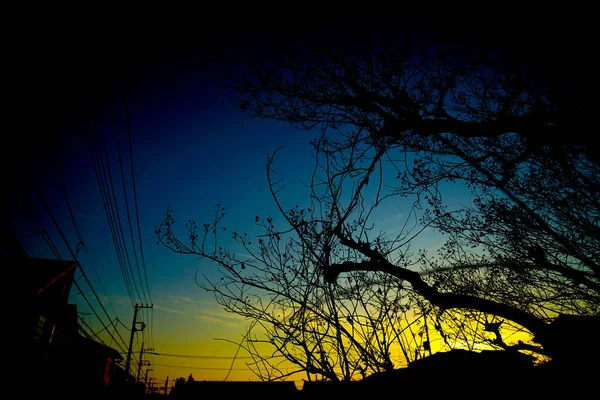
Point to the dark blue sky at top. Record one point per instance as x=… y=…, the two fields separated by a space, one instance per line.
x=191 y=149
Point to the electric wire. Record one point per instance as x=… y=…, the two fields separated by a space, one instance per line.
x=94 y=335
x=128 y=213
x=100 y=177
x=103 y=173
x=120 y=234
x=135 y=202
x=137 y=216
x=116 y=227
x=80 y=236
x=203 y=357
x=42 y=231
x=204 y=368
x=49 y=211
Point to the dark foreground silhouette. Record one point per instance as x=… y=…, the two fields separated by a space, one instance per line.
x=486 y=374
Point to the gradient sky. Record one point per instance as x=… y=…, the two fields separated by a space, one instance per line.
x=185 y=155
x=190 y=150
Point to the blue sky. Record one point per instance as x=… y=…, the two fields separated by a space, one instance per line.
x=191 y=149
x=187 y=156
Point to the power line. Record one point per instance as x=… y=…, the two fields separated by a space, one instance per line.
x=127 y=202
x=99 y=280
x=104 y=176
x=102 y=165
x=124 y=326
x=82 y=329
x=135 y=202
x=205 y=357
x=45 y=203
x=205 y=368
x=96 y=333
x=39 y=225
x=37 y=221
x=101 y=178
x=147 y=333
x=93 y=334
x=64 y=191
x=152 y=327
x=81 y=242
x=78 y=233
x=119 y=233
x=137 y=216
x=42 y=230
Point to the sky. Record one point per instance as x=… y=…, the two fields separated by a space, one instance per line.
x=186 y=158
x=190 y=150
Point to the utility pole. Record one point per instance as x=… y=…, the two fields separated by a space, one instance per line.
x=146 y=378
x=142 y=362
x=166 y=384
x=133 y=330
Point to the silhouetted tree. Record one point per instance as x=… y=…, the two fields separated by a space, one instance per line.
x=331 y=330
x=411 y=118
